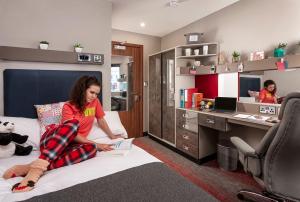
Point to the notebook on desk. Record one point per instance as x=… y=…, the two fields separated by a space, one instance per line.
x=225 y=105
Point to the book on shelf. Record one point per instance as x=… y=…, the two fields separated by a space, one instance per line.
x=186 y=97
x=120 y=148
x=181 y=98
x=197 y=98
x=189 y=100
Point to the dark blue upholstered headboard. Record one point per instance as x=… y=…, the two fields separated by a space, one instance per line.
x=25 y=88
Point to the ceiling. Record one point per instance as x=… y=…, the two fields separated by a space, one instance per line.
x=159 y=18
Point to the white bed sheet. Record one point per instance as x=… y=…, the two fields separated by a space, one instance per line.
x=68 y=176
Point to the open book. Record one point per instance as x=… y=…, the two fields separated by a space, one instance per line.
x=121 y=148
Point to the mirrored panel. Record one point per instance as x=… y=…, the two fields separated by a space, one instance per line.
x=268 y=86
x=121 y=83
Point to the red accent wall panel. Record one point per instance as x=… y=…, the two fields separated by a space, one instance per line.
x=207 y=84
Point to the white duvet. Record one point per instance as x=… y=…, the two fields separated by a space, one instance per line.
x=68 y=176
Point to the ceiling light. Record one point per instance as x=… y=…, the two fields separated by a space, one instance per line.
x=173 y=3
x=142 y=24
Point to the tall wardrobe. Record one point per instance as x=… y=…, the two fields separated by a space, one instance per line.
x=161 y=95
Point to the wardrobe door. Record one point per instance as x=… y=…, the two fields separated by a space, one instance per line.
x=168 y=90
x=155 y=95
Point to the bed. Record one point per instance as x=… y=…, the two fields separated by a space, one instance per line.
x=138 y=176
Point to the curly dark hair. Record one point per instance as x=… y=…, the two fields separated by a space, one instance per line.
x=78 y=93
x=271 y=82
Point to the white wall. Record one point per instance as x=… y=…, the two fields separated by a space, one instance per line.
x=62 y=23
x=151 y=45
x=248 y=25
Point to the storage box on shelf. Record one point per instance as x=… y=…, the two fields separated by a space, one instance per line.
x=228 y=68
x=202 y=70
x=257 y=65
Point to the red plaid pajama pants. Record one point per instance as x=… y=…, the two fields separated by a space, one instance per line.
x=59 y=149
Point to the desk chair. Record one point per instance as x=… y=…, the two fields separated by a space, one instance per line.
x=275 y=164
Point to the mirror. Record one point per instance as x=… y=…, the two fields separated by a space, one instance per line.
x=121 y=85
x=251 y=85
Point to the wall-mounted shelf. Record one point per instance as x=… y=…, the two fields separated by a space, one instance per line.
x=202 y=70
x=49 y=56
x=197 y=45
x=260 y=65
x=211 y=50
x=195 y=56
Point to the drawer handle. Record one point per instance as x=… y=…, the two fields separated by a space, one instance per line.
x=186 y=137
x=185 y=126
x=210 y=121
x=186 y=148
x=185 y=116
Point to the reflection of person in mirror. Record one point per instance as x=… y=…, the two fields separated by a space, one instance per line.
x=268 y=93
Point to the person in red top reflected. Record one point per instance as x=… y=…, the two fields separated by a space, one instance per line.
x=67 y=143
x=268 y=93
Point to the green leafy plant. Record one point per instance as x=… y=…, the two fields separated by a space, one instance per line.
x=282 y=45
x=236 y=54
x=44 y=42
x=78 y=45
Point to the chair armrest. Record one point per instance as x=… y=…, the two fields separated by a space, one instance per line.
x=249 y=158
x=243 y=147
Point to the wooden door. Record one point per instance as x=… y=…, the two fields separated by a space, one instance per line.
x=133 y=119
x=155 y=95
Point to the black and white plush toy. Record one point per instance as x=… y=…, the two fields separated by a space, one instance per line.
x=10 y=142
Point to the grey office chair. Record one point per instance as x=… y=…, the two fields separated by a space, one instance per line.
x=275 y=164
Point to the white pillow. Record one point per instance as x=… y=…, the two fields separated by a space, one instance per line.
x=113 y=120
x=26 y=126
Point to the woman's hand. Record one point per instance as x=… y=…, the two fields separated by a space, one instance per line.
x=104 y=147
x=115 y=136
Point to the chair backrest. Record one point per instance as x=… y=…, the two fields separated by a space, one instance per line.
x=282 y=160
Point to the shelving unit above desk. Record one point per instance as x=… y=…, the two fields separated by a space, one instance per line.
x=205 y=53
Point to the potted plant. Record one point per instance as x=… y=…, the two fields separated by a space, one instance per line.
x=280 y=50
x=236 y=56
x=78 y=47
x=44 y=45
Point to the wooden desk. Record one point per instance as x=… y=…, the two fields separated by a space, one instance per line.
x=231 y=119
x=200 y=130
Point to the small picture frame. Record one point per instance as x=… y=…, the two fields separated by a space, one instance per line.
x=193 y=38
x=257 y=55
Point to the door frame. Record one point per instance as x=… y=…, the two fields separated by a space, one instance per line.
x=141 y=98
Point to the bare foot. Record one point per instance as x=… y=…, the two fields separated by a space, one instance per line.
x=16 y=171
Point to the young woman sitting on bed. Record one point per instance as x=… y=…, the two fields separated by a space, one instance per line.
x=66 y=144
